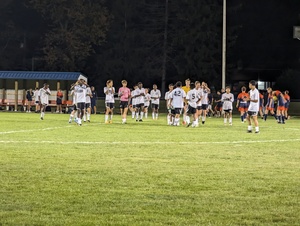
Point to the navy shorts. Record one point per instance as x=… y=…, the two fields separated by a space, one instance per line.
x=123 y=104
x=109 y=105
x=155 y=106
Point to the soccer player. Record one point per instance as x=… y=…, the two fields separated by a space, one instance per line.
x=74 y=102
x=133 y=101
x=287 y=103
x=155 y=96
x=124 y=94
x=44 y=99
x=261 y=105
x=80 y=92
x=199 y=89
x=242 y=104
x=109 y=91
x=253 y=108
x=94 y=100
x=210 y=103
x=87 y=110
x=59 y=97
x=140 y=102
x=186 y=88
x=280 y=106
x=192 y=97
x=147 y=99
x=204 y=102
x=167 y=98
x=270 y=105
x=219 y=105
x=177 y=98
x=227 y=99
x=36 y=95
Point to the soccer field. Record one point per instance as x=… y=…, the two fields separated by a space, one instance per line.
x=147 y=173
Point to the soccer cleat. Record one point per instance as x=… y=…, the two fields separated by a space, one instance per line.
x=249 y=131
x=42 y=118
x=110 y=121
x=70 y=120
x=106 y=122
x=203 y=122
x=188 y=125
x=136 y=120
x=230 y=124
x=89 y=121
x=141 y=120
x=256 y=131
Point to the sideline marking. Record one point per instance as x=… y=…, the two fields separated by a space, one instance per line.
x=147 y=142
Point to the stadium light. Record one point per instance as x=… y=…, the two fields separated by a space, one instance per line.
x=224 y=46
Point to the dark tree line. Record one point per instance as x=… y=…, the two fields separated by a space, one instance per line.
x=120 y=39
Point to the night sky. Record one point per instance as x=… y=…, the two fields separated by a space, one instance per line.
x=260 y=42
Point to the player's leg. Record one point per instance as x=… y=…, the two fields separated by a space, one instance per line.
x=141 y=112
x=156 y=111
x=225 y=117
x=230 y=117
x=249 y=123
x=266 y=113
x=124 y=117
x=111 y=111
x=89 y=110
x=254 y=117
x=43 y=109
x=107 y=111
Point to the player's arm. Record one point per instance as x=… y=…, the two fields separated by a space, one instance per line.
x=237 y=103
x=170 y=101
x=106 y=90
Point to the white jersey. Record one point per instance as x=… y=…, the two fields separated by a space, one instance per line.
x=109 y=94
x=80 y=92
x=140 y=98
x=204 y=99
x=227 y=99
x=88 y=95
x=200 y=94
x=177 y=97
x=133 y=99
x=167 y=95
x=44 y=95
x=73 y=97
x=155 y=94
x=254 y=106
x=147 y=99
x=193 y=97
x=36 y=95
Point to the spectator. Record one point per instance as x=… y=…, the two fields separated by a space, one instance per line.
x=94 y=100
x=59 y=97
x=29 y=95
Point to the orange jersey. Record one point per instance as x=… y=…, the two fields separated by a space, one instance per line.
x=277 y=93
x=242 y=96
x=287 y=97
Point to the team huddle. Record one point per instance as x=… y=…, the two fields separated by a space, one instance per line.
x=193 y=101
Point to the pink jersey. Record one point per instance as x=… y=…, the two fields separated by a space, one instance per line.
x=124 y=93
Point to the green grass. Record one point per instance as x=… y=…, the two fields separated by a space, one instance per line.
x=53 y=173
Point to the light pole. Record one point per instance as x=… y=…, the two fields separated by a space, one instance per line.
x=224 y=46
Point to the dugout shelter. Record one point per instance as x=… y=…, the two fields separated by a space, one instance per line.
x=14 y=84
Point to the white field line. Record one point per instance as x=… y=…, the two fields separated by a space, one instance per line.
x=33 y=130
x=42 y=129
x=147 y=142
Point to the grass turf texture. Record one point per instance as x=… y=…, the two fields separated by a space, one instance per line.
x=54 y=173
